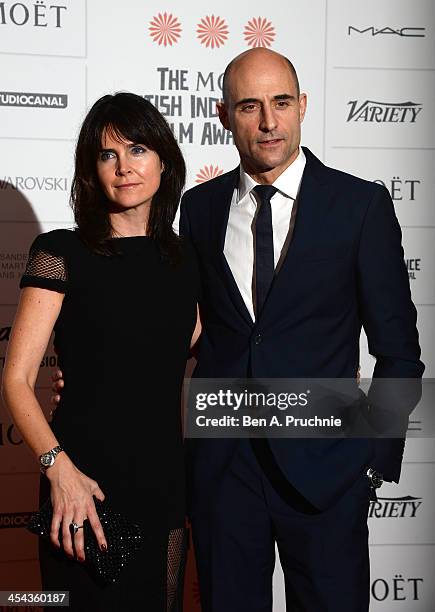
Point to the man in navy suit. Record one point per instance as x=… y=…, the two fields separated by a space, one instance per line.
x=294 y=258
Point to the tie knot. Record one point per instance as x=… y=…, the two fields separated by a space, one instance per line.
x=265 y=192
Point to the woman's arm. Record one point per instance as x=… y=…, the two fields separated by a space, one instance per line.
x=71 y=491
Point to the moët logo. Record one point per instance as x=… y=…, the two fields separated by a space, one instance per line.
x=35 y=14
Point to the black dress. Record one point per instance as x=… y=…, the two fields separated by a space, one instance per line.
x=122 y=339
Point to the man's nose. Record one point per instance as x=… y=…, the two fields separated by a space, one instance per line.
x=268 y=119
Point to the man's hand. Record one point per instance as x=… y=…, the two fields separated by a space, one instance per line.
x=56 y=387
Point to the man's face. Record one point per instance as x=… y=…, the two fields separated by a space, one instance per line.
x=264 y=113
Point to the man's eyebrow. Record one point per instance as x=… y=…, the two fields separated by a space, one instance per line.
x=246 y=101
x=283 y=96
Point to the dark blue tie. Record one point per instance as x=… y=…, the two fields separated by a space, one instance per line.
x=264 y=261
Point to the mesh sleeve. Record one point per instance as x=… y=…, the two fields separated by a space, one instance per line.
x=45 y=268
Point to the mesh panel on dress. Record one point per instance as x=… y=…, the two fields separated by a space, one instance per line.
x=177 y=544
x=45 y=265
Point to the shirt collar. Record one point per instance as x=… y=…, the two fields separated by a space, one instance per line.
x=287 y=183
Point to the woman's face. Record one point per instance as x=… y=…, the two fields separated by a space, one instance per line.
x=128 y=172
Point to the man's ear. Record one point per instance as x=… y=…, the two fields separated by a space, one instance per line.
x=302 y=106
x=223 y=114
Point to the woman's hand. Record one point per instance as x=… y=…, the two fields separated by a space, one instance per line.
x=72 y=500
x=57 y=386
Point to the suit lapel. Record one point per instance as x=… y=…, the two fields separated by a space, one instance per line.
x=314 y=194
x=221 y=203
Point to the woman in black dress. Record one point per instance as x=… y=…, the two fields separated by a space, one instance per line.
x=120 y=292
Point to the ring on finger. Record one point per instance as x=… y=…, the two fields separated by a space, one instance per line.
x=74 y=528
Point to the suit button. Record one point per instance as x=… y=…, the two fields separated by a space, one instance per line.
x=258 y=339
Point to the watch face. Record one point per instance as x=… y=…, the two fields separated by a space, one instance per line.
x=47 y=460
x=377 y=481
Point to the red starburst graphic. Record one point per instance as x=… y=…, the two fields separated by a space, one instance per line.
x=212 y=31
x=165 y=29
x=208 y=172
x=259 y=32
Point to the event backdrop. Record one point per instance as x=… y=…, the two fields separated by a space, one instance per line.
x=369 y=71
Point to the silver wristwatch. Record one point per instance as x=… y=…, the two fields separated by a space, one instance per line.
x=46 y=460
x=376 y=479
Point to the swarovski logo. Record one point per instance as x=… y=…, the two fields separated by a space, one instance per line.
x=32 y=183
x=35 y=100
x=406 y=32
x=384 y=112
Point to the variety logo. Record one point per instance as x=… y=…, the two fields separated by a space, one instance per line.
x=35 y=100
x=10 y=520
x=259 y=32
x=165 y=29
x=212 y=31
x=395 y=507
x=31 y=183
x=400 y=189
x=396 y=589
x=384 y=112
x=208 y=172
x=413 y=266
x=36 y=14
x=406 y=32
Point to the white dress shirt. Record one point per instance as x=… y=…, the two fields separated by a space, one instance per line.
x=239 y=237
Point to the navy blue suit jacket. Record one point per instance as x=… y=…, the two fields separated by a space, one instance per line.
x=344 y=269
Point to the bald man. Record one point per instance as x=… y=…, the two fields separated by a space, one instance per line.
x=295 y=258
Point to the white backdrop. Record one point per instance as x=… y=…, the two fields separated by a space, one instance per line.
x=369 y=72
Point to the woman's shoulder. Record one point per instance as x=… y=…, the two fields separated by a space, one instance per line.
x=58 y=241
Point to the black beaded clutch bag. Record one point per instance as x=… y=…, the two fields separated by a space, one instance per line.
x=123 y=538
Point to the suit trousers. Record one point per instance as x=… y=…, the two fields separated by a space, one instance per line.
x=324 y=555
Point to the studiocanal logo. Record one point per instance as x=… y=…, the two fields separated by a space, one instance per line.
x=383 y=112
x=34 y=14
x=406 y=32
x=11 y=520
x=395 y=507
x=34 y=100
